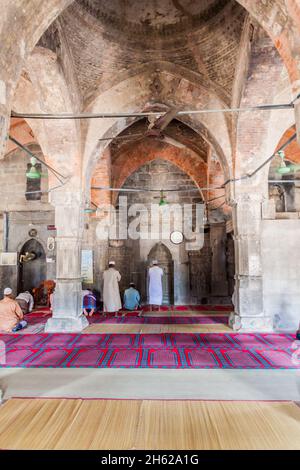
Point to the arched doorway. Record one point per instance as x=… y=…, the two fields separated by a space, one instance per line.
x=163 y=255
x=32 y=273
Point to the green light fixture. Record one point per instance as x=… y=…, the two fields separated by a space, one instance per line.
x=283 y=169
x=162 y=198
x=33 y=173
x=90 y=210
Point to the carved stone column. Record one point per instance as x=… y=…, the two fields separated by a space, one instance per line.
x=248 y=292
x=67 y=302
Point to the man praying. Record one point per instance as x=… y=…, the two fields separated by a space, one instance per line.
x=26 y=302
x=132 y=298
x=11 y=315
x=111 y=293
x=89 y=303
x=155 y=285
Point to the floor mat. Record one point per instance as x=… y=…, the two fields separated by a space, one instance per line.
x=162 y=320
x=126 y=328
x=70 y=424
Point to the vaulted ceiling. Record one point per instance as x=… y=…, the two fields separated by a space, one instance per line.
x=107 y=37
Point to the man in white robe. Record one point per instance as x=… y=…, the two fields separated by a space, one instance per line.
x=111 y=292
x=155 y=285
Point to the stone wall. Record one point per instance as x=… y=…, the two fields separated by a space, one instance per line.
x=13 y=181
x=19 y=224
x=193 y=278
x=19 y=216
x=281 y=272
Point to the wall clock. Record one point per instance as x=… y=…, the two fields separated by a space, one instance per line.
x=176 y=237
x=32 y=232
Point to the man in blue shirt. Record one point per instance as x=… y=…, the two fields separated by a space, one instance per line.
x=132 y=298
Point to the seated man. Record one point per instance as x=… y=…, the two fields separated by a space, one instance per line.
x=88 y=303
x=132 y=298
x=25 y=300
x=11 y=315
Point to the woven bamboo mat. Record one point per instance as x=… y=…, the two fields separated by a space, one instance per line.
x=187 y=313
x=138 y=329
x=148 y=424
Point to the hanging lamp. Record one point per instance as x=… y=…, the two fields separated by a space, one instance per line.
x=33 y=173
x=89 y=209
x=283 y=169
x=162 y=198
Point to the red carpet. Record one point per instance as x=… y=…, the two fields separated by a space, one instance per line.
x=178 y=350
x=170 y=350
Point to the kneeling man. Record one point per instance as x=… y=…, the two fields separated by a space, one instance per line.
x=132 y=298
x=11 y=315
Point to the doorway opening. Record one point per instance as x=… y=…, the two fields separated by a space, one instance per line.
x=163 y=256
x=31 y=271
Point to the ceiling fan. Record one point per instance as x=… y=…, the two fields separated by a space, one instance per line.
x=155 y=130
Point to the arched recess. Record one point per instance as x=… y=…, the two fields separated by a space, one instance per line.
x=134 y=94
x=20 y=130
x=16 y=197
x=32 y=273
x=162 y=254
x=147 y=150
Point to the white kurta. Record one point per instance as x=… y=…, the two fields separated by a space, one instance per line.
x=111 y=292
x=155 y=285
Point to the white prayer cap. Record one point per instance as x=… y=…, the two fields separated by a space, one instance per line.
x=111 y=262
x=154 y=262
x=7 y=291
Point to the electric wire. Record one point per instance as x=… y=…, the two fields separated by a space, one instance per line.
x=249 y=175
x=107 y=188
x=263 y=107
x=46 y=191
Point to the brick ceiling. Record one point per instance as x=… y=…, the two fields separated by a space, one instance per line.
x=176 y=130
x=106 y=37
x=163 y=16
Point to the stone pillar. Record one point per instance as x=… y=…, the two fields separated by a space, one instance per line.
x=248 y=291
x=67 y=302
x=4 y=123
x=219 y=284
